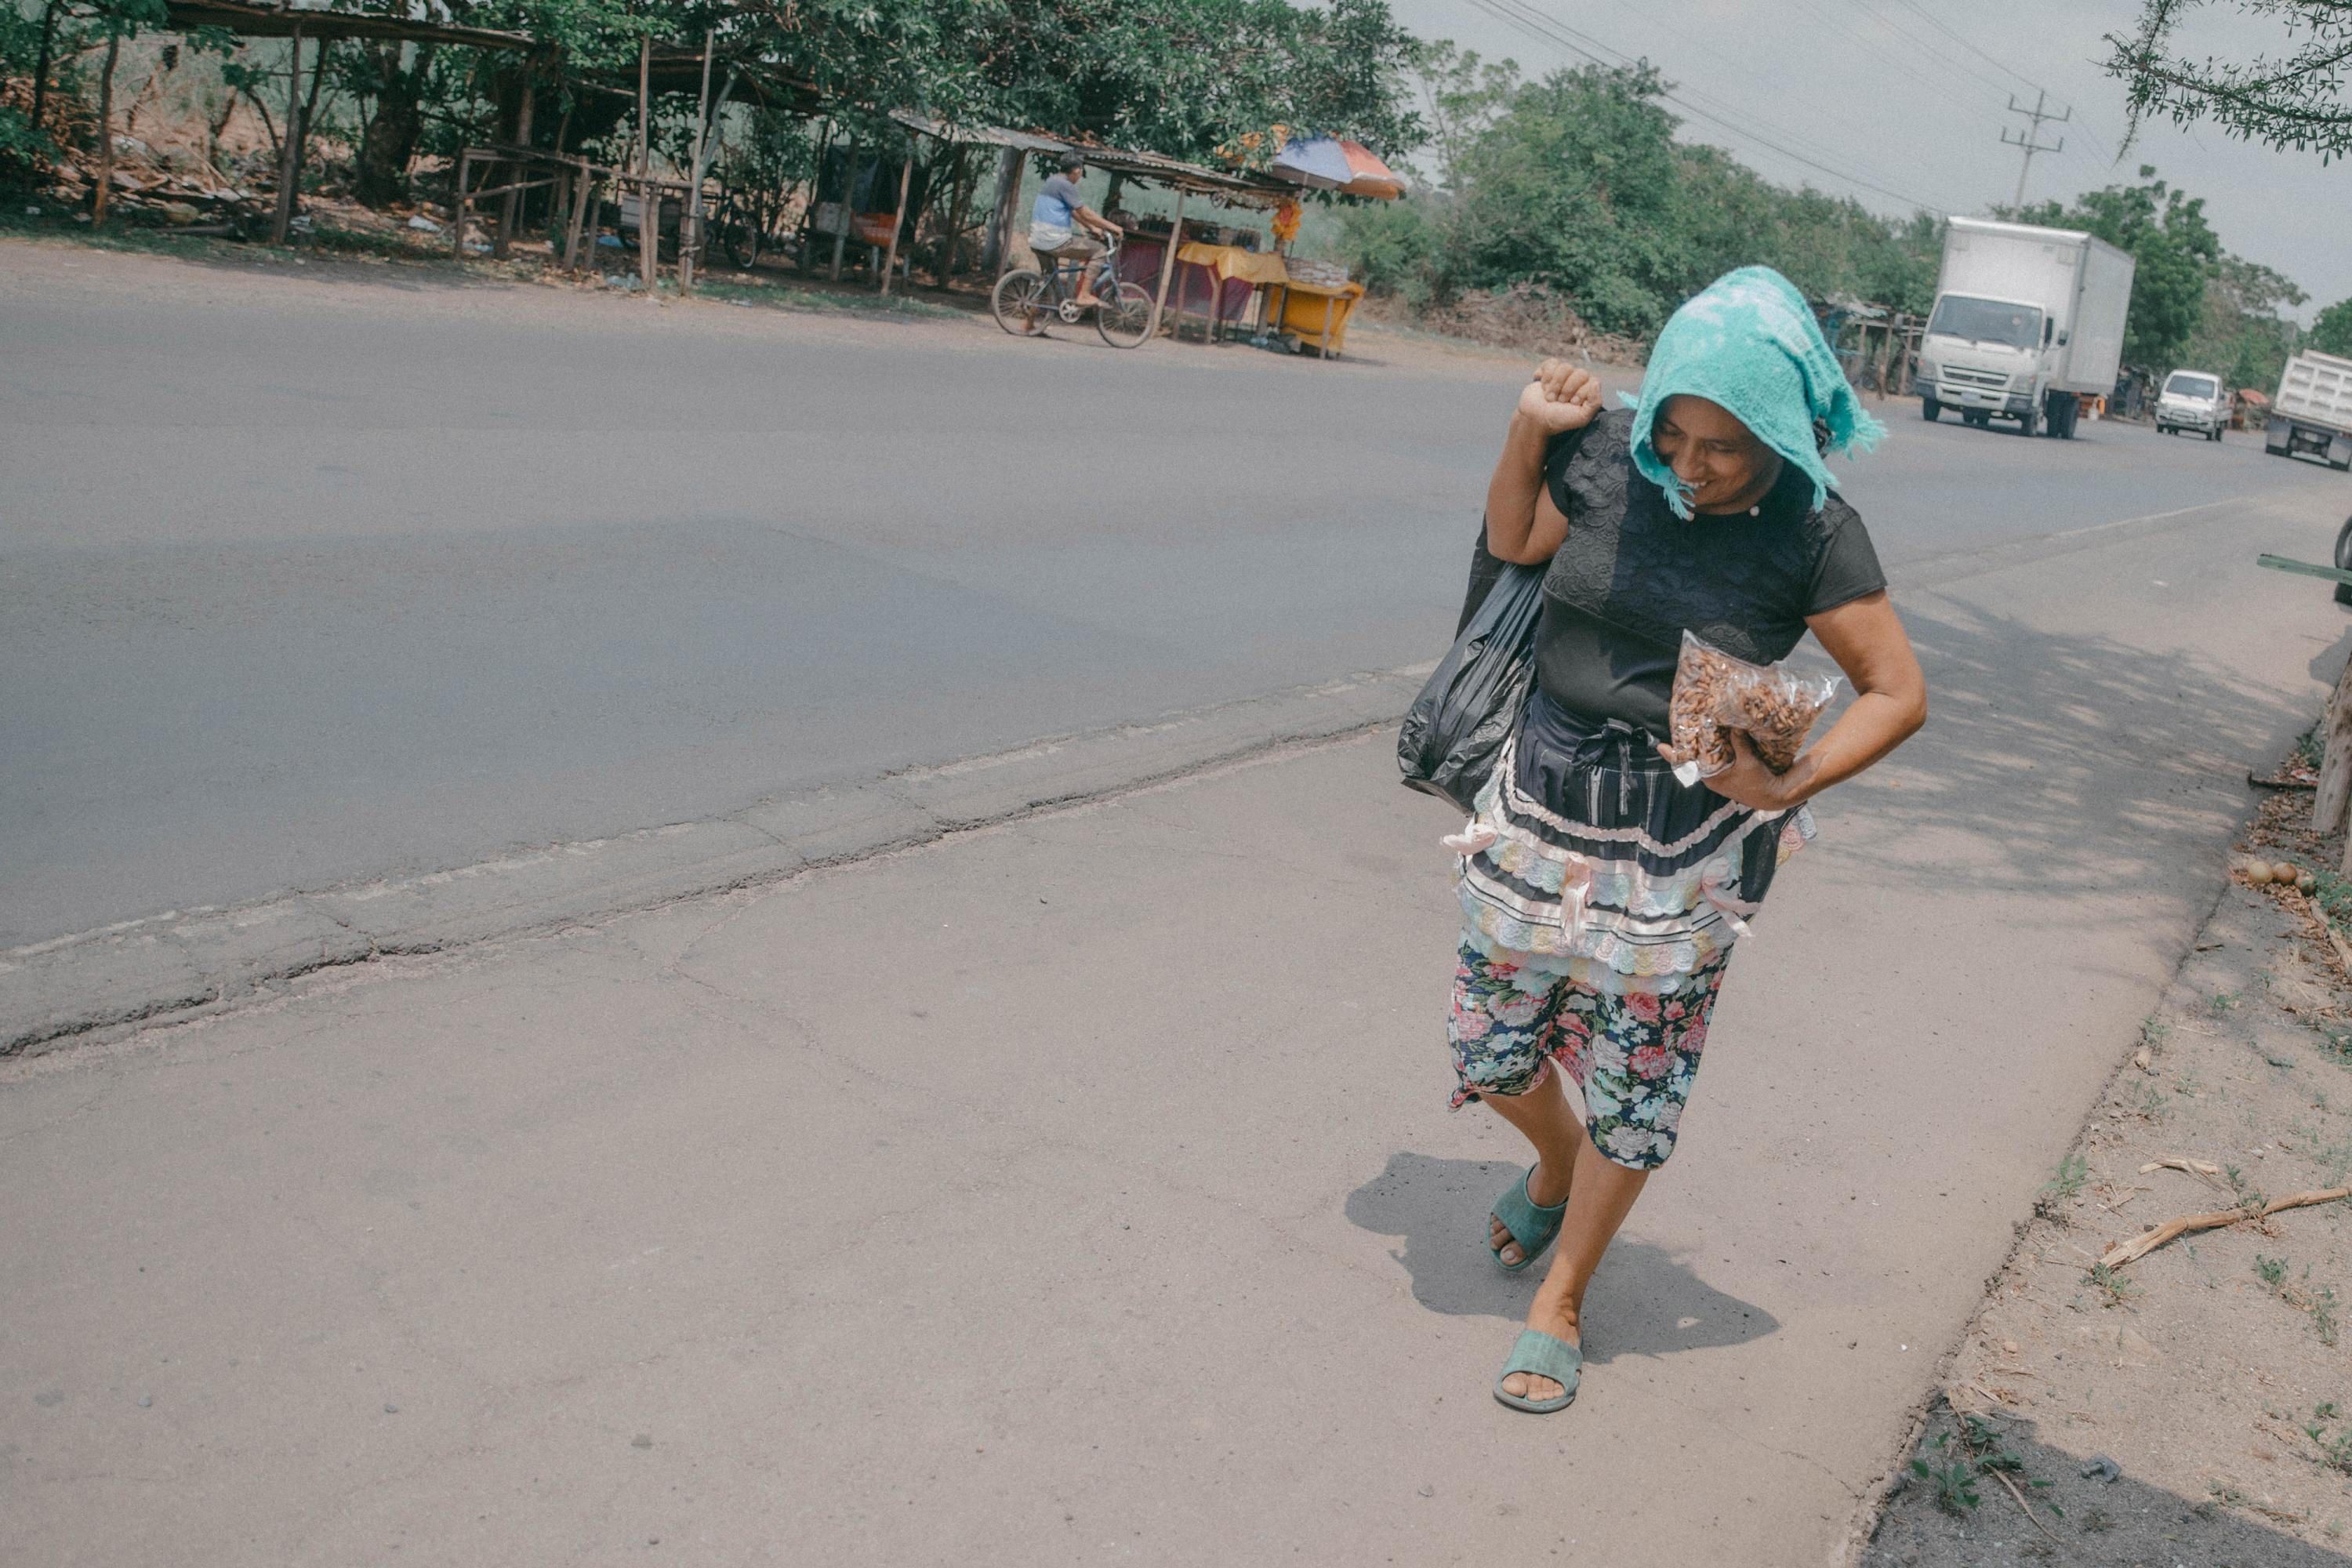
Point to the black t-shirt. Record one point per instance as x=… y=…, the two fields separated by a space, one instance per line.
x=1631 y=576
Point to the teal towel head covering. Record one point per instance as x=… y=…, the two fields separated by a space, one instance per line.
x=1749 y=342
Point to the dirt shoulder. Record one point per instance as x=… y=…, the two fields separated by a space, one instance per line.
x=2193 y=1406
x=46 y=256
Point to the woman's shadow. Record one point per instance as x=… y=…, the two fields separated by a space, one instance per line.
x=1643 y=1301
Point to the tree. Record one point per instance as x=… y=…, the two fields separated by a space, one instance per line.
x=115 y=20
x=2166 y=232
x=1462 y=94
x=2332 y=333
x=2243 y=333
x=1576 y=182
x=1827 y=246
x=2293 y=98
x=1573 y=187
x=389 y=79
x=1184 y=78
x=27 y=44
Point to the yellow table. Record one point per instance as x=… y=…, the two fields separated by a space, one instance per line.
x=1224 y=263
x=1260 y=267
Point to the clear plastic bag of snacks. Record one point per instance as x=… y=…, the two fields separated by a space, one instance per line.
x=1773 y=705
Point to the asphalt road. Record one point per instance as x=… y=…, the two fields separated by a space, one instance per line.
x=312 y=578
x=1080 y=1190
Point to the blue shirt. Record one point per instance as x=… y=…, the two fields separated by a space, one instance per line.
x=1057 y=205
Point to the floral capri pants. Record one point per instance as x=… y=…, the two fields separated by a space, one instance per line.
x=1633 y=1055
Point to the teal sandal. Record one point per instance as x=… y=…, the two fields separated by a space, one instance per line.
x=1531 y=1225
x=1545 y=1356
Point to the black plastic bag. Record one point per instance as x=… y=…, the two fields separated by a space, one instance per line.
x=1456 y=727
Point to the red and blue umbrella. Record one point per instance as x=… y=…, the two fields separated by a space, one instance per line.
x=1333 y=163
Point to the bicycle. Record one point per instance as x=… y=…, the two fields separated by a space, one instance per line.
x=744 y=224
x=1026 y=302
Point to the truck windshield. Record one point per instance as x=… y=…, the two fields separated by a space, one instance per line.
x=2191 y=386
x=1987 y=321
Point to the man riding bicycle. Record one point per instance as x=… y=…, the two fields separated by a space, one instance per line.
x=1057 y=225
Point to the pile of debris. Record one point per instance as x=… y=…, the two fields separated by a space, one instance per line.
x=173 y=184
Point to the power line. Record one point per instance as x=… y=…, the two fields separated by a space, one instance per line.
x=1937 y=22
x=1997 y=62
x=1908 y=65
x=1543 y=26
x=1929 y=49
x=1907 y=56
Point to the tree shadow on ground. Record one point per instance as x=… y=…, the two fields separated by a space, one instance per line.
x=1644 y=1300
x=2055 y=763
x=2100 y=1523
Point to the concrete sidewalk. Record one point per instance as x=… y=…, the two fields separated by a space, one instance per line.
x=1081 y=1188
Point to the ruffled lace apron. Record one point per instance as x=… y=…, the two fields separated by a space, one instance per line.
x=1586 y=859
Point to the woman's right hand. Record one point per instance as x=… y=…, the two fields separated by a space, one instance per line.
x=1559 y=396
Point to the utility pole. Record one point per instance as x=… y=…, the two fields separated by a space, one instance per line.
x=2028 y=139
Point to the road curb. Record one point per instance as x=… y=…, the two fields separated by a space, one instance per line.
x=185 y=963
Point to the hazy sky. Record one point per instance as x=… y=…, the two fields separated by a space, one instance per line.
x=1873 y=89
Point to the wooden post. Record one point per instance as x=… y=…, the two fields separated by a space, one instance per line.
x=458 y=204
x=2328 y=802
x=311 y=106
x=1168 y=262
x=520 y=171
x=644 y=79
x=105 y=190
x=841 y=214
x=1000 y=221
x=289 y=163
x=648 y=199
x=689 y=217
x=583 y=183
x=906 y=179
x=958 y=209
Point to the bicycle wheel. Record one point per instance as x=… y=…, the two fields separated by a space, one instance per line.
x=1019 y=303
x=1124 y=319
x=739 y=232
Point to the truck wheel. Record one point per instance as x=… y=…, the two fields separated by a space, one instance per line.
x=1929 y=408
x=2027 y=425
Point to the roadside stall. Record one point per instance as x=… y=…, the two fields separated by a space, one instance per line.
x=1315 y=302
x=1230 y=276
x=1150 y=253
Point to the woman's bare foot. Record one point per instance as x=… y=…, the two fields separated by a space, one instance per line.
x=1551 y=1316
x=1543 y=1190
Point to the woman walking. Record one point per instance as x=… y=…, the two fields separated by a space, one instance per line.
x=1600 y=898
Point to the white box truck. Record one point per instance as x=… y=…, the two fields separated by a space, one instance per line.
x=2025 y=318
x=2313 y=411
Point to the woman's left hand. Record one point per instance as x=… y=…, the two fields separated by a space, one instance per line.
x=1749 y=780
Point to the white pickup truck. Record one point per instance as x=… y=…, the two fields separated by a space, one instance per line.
x=2313 y=411
x=2192 y=400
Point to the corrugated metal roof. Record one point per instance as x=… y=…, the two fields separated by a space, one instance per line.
x=1256 y=190
x=418 y=21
